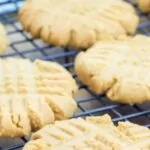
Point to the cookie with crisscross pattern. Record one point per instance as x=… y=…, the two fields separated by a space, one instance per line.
x=33 y=94
x=93 y=133
x=119 y=69
x=78 y=23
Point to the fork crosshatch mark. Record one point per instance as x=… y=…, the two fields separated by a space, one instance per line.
x=22 y=45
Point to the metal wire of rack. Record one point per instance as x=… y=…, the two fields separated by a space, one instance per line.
x=22 y=45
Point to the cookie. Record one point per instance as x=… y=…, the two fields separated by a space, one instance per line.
x=3 y=39
x=144 y=5
x=93 y=133
x=33 y=94
x=119 y=69
x=78 y=23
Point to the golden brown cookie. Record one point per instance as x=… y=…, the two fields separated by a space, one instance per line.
x=144 y=5
x=93 y=133
x=3 y=39
x=120 y=69
x=78 y=23
x=33 y=95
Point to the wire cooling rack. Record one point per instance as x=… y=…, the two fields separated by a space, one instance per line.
x=22 y=45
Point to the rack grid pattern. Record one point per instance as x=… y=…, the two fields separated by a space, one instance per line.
x=22 y=45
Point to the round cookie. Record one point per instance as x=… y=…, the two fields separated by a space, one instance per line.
x=32 y=95
x=120 y=69
x=3 y=39
x=144 y=5
x=78 y=23
x=92 y=133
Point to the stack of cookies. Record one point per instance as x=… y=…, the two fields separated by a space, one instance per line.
x=37 y=94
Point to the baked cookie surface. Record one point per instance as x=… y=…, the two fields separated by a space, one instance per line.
x=3 y=39
x=93 y=133
x=78 y=23
x=119 y=69
x=144 y=5
x=33 y=94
